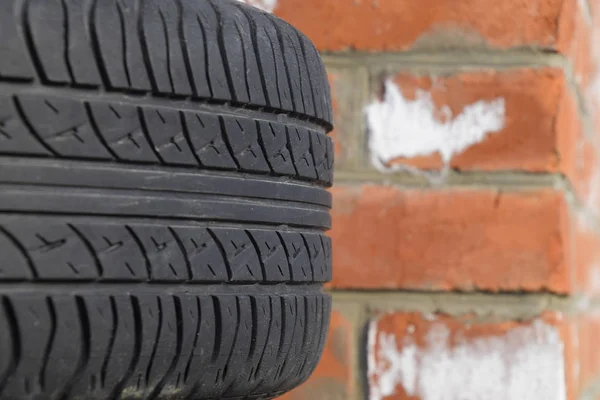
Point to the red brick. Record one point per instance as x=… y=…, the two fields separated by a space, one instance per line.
x=449 y=239
x=585 y=256
x=588 y=362
x=391 y=25
x=531 y=139
x=411 y=356
x=334 y=377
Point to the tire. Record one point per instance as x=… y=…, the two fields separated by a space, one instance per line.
x=163 y=200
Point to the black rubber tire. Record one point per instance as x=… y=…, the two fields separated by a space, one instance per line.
x=163 y=201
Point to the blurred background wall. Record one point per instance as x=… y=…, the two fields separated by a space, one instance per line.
x=467 y=199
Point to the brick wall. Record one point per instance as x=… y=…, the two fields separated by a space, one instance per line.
x=467 y=200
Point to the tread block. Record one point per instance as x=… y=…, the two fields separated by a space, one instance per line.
x=48 y=249
x=166 y=345
x=238 y=54
x=318 y=261
x=319 y=151
x=126 y=345
x=163 y=254
x=102 y=320
x=15 y=137
x=63 y=125
x=48 y=27
x=55 y=249
x=160 y=26
x=162 y=48
x=201 y=27
x=206 y=260
x=314 y=71
x=83 y=65
x=14 y=261
x=34 y=325
x=120 y=127
x=67 y=347
x=139 y=344
x=272 y=59
x=187 y=322
x=226 y=314
x=299 y=139
x=14 y=62
x=241 y=254
x=268 y=365
x=298 y=256
x=273 y=257
x=292 y=39
x=275 y=143
x=118 y=253
x=165 y=130
x=206 y=136
x=206 y=345
x=149 y=316
x=242 y=136
x=240 y=352
x=247 y=377
x=119 y=44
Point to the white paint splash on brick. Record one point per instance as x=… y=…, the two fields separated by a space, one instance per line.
x=399 y=127
x=265 y=5
x=526 y=364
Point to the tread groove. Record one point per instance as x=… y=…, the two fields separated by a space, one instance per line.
x=22 y=250
x=221 y=44
x=67 y=40
x=84 y=358
x=183 y=252
x=90 y=16
x=287 y=67
x=244 y=60
x=17 y=346
x=227 y=142
x=96 y=130
x=27 y=123
x=205 y=44
x=49 y=343
x=235 y=338
x=218 y=328
x=223 y=253
x=146 y=132
x=138 y=241
x=257 y=250
x=111 y=343
x=123 y=41
x=185 y=130
x=259 y=61
x=144 y=45
x=137 y=317
x=184 y=50
x=23 y=23
x=89 y=248
x=195 y=343
x=167 y=49
x=179 y=335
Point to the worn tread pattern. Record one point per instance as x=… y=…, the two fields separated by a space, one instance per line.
x=159 y=47
x=47 y=249
x=163 y=201
x=132 y=345
x=76 y=129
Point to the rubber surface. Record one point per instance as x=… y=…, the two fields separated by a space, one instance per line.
x=163 y=202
